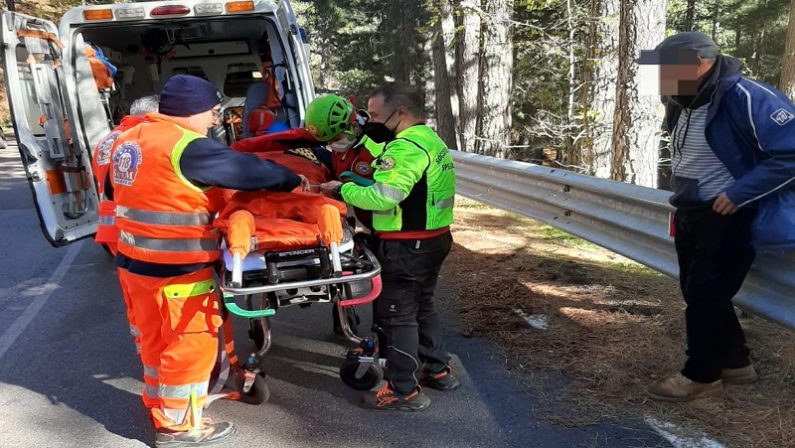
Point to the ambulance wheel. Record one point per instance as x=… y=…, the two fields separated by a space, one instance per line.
x=260 y=332
x=371 y=377
x=259 y=392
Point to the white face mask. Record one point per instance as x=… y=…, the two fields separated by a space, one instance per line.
x=343 y=144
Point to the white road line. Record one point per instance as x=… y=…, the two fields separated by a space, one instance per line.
x=677 y=436
x=19 y=325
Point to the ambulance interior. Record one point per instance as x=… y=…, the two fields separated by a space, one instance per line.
x=226 y=52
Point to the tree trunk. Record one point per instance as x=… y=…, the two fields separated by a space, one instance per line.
x=402 y=31
x=636 y=121
x=690 y=16
x=599 y=95
x=11 y=5
x=715 y=21
x=496 y=77
x=468 y=73
x=445 y=122
x=787 y=81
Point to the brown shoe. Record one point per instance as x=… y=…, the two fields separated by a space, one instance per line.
x=742 y=375
x=680 y=388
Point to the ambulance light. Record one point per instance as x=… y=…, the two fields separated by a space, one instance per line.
x=98 y=14
x=239 y=6
x=170 y=10
x=209 y=8
x=130 y=13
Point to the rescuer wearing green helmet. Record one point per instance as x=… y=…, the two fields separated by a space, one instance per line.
x=412 y=204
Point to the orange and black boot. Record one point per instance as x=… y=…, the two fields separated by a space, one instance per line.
x=388 y=399
x=444 y=380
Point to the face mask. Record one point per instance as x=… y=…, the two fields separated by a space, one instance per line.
x=343 y=144
x=378 y=132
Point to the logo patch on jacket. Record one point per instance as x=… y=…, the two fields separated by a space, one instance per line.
x=103 y=148
x=363 y=168
x=386 y=164
x=126 y=160
x=782 y=116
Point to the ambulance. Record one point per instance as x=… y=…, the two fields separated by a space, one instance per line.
x=63 y=102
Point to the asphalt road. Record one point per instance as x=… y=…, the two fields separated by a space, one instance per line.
x=69 y=376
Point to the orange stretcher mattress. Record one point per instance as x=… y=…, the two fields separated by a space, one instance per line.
x=283 y=221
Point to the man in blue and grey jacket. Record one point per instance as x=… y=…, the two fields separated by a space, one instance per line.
x=732 y=144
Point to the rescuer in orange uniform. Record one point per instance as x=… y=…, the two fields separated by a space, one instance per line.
x=160 y=171
x=107 y=233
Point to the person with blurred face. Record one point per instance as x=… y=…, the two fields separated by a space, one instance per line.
x=732 y=149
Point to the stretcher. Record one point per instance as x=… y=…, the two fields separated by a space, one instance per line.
x=287 y=249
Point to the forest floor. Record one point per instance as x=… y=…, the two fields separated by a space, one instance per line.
x=565 y=311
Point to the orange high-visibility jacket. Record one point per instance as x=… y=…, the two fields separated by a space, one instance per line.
x=107 y=233
x=162 y=217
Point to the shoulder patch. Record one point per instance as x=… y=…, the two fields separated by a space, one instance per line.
x=363 y=168
x=103 y=148
x=782 y=116
x=126 y=160
x=386 y=164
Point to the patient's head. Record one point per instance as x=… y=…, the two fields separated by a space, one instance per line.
x=334 y=120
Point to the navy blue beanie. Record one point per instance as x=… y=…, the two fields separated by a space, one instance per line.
x=184 y=95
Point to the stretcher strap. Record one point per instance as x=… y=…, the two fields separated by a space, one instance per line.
x=41 y=35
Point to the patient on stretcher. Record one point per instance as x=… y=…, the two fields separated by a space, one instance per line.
x=285 y=221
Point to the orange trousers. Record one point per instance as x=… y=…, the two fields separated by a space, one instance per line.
x=178 y=320
x=149 y=394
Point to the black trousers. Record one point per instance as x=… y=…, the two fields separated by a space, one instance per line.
x=715 y=254
x=412 y=332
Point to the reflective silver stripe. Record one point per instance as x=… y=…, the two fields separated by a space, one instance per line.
x=389 y=192
x=445 y=203
x=175 y=415
x=150 y=371
x=137 y=348
x=184 y=390
x=107 y=220
x=170 y=245
x=134 y=331
x=150 y=391
x=163 y=218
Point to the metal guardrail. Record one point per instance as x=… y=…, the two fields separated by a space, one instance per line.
x=626 y=219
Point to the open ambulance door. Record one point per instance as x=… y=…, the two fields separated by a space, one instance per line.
x=58 y=168
x=298 y=49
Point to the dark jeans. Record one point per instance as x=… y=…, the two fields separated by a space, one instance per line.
x=412 y=331
x=715 y=254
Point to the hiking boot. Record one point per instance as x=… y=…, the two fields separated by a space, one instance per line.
x=680 y=388
x=444 y=380
x=388 y=399
x=742 y=375
x=208 y=434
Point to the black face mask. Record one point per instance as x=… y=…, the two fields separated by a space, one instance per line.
x=378 y=132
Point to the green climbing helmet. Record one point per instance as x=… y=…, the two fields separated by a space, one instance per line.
x=329 y=116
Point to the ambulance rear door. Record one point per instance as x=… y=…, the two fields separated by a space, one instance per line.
x=57 y=166
x=297 y=50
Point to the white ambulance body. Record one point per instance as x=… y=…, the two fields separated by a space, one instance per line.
x=59 y=113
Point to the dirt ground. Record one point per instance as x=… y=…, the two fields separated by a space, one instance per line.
x=612 y=327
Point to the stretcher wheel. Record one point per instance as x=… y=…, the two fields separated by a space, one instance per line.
x=367 y=379
x=259 y=392
x=260 y=332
